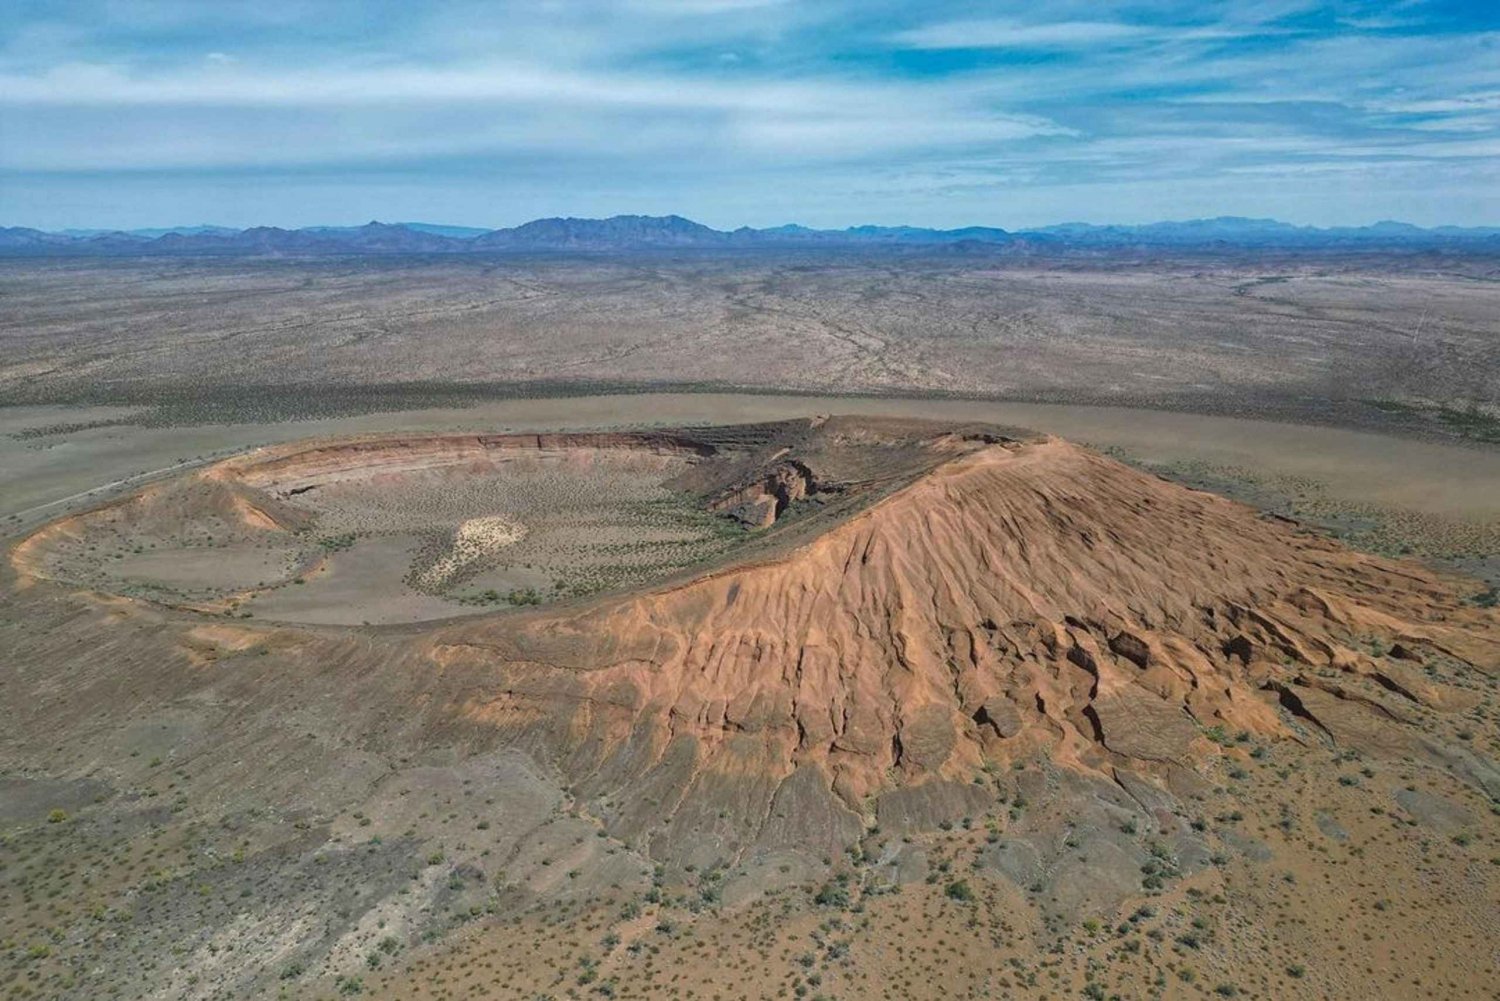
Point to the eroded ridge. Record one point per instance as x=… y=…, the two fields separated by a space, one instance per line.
x=1020 y=599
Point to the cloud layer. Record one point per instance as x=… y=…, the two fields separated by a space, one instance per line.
x=134 y=112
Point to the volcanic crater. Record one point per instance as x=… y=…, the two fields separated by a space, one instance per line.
x=409 y=528
x=878 y=600
x=810 y=633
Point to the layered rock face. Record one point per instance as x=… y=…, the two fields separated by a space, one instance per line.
x=288 y=470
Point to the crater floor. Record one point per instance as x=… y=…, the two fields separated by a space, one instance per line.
x=406 y=528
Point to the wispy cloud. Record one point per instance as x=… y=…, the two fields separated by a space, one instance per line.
x=334 y=115
x=1005 y=33
x=845 y=110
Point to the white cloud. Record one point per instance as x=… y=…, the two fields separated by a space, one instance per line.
x=641 y=103
x=699 y=7
x=233 y=114
x=799 y=135
x=1461 y=103
x=1004 y=33
x=245 y=86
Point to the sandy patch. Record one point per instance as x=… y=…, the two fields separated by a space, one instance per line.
x=475 y=541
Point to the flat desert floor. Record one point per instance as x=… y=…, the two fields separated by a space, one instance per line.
x=1358 y=339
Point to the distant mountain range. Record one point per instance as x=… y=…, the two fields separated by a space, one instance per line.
x=634 y=232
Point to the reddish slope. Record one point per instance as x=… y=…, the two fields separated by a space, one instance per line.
x=1019 y=597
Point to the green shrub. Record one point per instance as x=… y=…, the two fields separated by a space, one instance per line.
x=960 y=890
x=832 y=895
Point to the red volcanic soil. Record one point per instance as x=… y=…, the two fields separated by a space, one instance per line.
x=1019 y=598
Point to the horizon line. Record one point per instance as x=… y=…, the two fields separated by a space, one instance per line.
x=485 y=228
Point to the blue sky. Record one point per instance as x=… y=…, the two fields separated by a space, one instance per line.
x=127 y=113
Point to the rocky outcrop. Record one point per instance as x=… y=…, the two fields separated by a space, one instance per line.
x=760 y=503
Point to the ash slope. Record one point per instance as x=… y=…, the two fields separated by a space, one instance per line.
x=1005 y=620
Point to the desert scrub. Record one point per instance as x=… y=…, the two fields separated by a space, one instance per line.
x=959 y=890
x=1470 y=422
